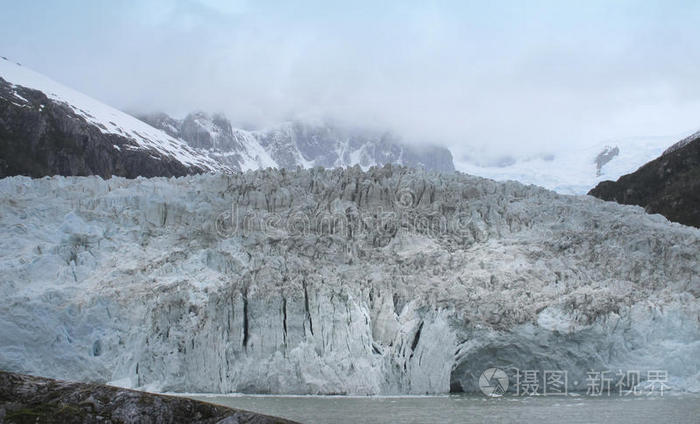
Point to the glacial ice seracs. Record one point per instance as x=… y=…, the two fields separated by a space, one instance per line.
x=391 y=281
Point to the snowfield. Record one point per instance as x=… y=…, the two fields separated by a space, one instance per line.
x=573 y=170
x=391 y=281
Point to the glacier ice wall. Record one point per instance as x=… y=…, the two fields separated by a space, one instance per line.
x=381 y=282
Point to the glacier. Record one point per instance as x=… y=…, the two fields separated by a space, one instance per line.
x=389 y=281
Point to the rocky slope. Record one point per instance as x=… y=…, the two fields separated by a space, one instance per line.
x=27 y=399
x=297 y=144
x=49 y=129
x=338 y=281
x=668 y=185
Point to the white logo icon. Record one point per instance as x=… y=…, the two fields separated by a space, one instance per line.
x=493 y=382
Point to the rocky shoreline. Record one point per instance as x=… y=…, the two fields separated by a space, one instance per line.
x=28 y=399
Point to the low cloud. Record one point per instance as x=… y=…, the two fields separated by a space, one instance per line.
x=517 y=78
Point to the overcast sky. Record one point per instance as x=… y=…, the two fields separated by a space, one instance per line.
x=481 y=77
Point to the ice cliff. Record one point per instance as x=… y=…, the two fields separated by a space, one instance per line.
x=338 y=281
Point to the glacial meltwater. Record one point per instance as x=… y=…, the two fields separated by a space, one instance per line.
x=470 y=408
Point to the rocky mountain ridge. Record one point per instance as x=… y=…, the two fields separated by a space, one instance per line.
x=49 y=129
x=294 y=144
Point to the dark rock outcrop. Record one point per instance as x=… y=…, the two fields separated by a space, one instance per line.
x=40 y=137
x=27 y=399
x=668 y=185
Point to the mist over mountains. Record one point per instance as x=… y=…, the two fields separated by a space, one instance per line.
x=297 y=143
x=50 y=129
x=78 y=135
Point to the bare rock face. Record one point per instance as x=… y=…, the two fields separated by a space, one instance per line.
x=391 y=281
x=214 y=137
x=205 y=132
x=170 y=126
x=668 y=185
x=27 y=399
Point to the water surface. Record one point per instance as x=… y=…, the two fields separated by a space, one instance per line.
x=470 y=408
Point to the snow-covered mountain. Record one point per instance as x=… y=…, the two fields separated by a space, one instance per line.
x=573 y=170
x=214 y=137
x=391 y=281
x=47 y=128
x=295 y=144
